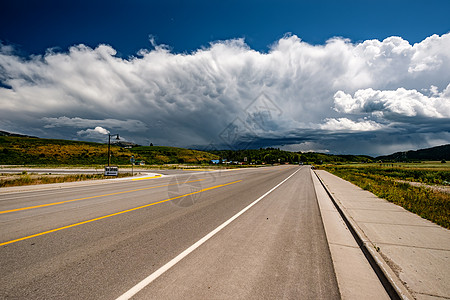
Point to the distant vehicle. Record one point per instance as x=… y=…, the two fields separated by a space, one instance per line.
x=111 y=171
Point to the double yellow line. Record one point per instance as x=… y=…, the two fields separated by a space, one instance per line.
x=110 y=215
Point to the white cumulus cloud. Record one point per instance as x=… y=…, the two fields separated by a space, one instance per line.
x=344 y=124
x=96 y=133
x=404 y=102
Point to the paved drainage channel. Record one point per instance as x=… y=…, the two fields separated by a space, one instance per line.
x=384 y=279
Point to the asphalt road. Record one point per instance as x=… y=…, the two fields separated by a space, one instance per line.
x=100 y=241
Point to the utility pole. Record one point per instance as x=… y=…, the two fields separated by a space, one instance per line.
x=109 y=146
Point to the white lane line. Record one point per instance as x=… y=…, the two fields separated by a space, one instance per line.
x=138 y=287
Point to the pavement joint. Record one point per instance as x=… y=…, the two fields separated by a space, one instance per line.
x=397 y=224
x=369 y=209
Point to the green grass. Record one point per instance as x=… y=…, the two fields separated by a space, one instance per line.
x=426 y=164
x=423 y=174
x=384 y=182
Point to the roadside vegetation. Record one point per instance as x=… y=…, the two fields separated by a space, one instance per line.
x=48 y=152
x=275 y=155
x=8 y=180
x=393 y=183
x=26 y=151
x=171 y=155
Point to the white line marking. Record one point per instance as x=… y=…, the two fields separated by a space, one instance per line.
x=138 y=287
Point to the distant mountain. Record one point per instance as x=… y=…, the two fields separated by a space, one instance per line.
x=5 y=133
x=434 y=153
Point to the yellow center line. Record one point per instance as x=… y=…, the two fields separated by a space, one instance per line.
x=204 y=170
x=143 y=178
x=91 y=197
x=115 y=214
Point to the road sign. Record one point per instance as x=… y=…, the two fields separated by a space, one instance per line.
x=111 y=171
x=132 y=159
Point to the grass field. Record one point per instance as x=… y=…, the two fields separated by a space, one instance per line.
x=415 y=165
x=392 y=182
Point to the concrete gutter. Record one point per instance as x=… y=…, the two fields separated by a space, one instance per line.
x=392 y=284
x=355 y=276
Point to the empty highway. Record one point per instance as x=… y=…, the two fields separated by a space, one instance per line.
x=239 y=234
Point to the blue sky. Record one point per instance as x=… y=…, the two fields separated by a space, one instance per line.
x=189 y=25
x=361 y=77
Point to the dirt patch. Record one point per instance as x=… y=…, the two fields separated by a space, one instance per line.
x=437 y=188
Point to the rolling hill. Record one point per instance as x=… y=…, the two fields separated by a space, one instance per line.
x=275 y=155
x=16 y=149
x=20 y=150
x=435 y=153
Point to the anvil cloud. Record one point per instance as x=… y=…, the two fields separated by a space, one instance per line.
x=371 y=97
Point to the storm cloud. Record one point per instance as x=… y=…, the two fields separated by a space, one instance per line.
x=371 y=97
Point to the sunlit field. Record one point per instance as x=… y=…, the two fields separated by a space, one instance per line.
x=422 y=188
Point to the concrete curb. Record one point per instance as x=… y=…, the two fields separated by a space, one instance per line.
x=393 y=285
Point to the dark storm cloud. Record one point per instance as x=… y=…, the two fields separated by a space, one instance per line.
x=370 y=97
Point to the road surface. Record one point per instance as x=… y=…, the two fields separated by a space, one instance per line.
x=101 y=241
